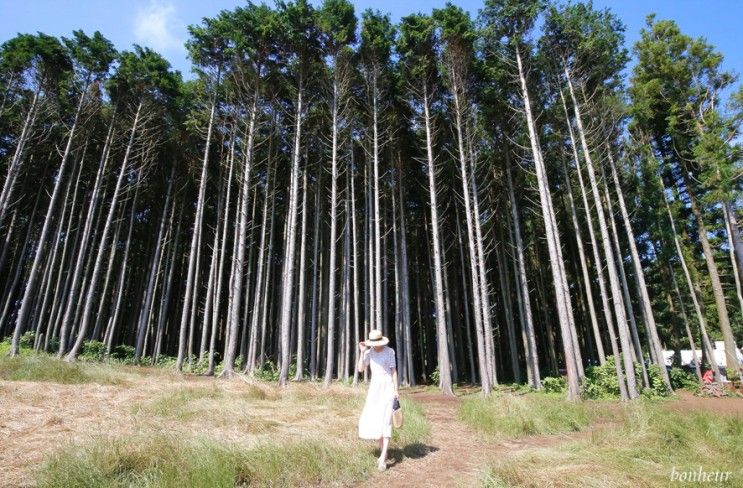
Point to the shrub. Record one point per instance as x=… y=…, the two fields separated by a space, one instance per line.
x=270 y=372
x=554 y=384
x=123 y=352
x=53 y=345
x=94 y=350
x=601 y=381
x=682 y=379
x=27 y=339
x=657 y=386
x=267 y=372
x=435 y=377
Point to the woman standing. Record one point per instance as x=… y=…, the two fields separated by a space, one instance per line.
x=376 y=418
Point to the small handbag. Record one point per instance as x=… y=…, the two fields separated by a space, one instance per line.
x=396 y=414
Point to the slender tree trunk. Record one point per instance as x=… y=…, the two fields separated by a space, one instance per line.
x=640 y=277
x=694 y=291
x=114 y=319
x=532 y=356
x=40 y=254
x=103 y=239
x=629 y=367
x=477 y=287
x=191 y=278
x=584 y=268
x=237 y=282
x=714 y=278
x=17 y=159
x=445 y=382
x=730 y=225
x=287 y=278
x=553 y=242
x=301 y=293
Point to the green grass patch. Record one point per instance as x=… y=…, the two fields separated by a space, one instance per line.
x=42 y=367
x=649 y=445
x=415 y=428
x=164 y=461
x=518 y=415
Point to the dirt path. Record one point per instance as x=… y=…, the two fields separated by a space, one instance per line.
x=454 y=454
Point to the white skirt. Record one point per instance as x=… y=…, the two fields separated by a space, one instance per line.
x=376 y=417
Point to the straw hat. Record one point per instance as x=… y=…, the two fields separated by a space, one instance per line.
x=376 y=338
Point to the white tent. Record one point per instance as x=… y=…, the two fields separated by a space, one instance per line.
x=687 y=356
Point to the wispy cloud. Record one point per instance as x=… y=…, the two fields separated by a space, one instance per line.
x=154 y=26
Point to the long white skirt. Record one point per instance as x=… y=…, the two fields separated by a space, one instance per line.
x=376 y=417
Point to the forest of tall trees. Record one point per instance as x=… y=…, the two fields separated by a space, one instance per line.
x=507 y=197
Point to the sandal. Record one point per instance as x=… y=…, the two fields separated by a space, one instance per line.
x=381 y=465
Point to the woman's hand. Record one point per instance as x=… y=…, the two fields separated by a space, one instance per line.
x=362 y=346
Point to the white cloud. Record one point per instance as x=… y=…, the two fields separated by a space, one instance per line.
x=154 y=26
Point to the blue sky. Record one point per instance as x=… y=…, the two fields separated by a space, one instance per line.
x=161 y=24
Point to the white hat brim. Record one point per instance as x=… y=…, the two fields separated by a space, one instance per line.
x=379 y=342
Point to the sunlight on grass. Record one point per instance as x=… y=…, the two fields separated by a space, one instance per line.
x=641 y=452
x=518 y=415
x=165 y=461
x=41 y=367
x=193 y=431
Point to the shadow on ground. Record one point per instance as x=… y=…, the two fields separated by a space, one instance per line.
x=411 y=451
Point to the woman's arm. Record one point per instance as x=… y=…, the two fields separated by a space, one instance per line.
x=394 y=380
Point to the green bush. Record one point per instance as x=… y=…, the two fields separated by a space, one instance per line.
x=554 y=384
x=657 y=386
x=123 y=352
x=270 y=372
x=435 y=377
x=267 y=372
x=94 y=350
x=53 y=345
x=27 y=339
x=601 y=381
x=683 y=380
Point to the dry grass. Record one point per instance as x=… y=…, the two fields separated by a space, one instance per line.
x=239 y=415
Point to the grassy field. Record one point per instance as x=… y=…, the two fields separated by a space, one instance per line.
x=94 y=424
x=604 y=444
